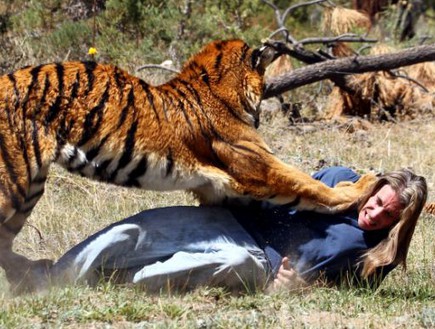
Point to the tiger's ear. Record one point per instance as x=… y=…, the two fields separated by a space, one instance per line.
x=262 y=57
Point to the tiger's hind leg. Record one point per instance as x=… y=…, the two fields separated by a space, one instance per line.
x=22 y=273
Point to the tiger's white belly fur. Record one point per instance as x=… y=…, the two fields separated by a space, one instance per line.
x=155 y=177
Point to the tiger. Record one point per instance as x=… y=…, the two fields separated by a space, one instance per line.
x=429 y=208
x=196 y=132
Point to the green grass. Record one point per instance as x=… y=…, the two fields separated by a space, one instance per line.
x=125 y=307
x=73 y=207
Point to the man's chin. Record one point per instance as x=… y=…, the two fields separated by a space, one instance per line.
x=362 y=224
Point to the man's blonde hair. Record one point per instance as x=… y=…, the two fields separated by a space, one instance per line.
x=412 y=192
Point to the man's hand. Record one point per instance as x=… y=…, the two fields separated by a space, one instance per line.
x=287 y=278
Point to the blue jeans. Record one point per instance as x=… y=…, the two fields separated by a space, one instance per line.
x=174 y=247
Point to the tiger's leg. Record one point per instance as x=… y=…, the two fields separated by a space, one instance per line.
x=22 y=273
x=256 y=172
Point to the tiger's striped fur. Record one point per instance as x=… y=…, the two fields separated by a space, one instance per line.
x=430 y=208
x=196 y=132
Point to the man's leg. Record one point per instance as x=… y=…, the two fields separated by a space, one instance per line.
x=222 y=264
x=152 y=236
x=85 y=265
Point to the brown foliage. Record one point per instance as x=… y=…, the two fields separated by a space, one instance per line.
x=340 y=20
x=372 y=7
x=280 y=66
x=380 y=96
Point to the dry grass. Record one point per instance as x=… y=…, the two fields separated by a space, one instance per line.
x=280 y=66
x=383 y=96
x=73 y=208
x=424 y=73
x=339 y=20
x=378 y=95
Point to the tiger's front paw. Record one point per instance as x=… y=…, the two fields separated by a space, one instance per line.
x=351 y=193
x=361 y=185
x=344 y=184
x=365 y=182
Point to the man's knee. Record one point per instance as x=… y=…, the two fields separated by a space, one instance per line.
x=239 y=257
x=244 y=267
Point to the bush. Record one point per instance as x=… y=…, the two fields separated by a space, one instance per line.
x=129 y=32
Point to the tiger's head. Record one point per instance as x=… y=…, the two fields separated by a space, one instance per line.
x=234 y=73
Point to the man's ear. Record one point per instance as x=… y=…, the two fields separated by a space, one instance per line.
x=262 y=57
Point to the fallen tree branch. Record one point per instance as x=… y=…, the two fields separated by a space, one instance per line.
x=405 y=77
x=341 y=38
x=337 y=69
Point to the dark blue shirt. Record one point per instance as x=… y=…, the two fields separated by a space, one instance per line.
x=316 y=244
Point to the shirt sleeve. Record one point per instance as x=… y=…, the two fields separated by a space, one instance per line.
x=331 y=176
x=344 y=269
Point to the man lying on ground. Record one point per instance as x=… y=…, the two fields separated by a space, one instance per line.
x=256 y=246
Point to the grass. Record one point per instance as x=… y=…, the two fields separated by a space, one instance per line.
x=73 y=207
x=125 y=307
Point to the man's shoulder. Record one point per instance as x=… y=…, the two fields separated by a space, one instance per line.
x=331 y=176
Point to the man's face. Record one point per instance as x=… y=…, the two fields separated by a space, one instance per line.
x=381 y=210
